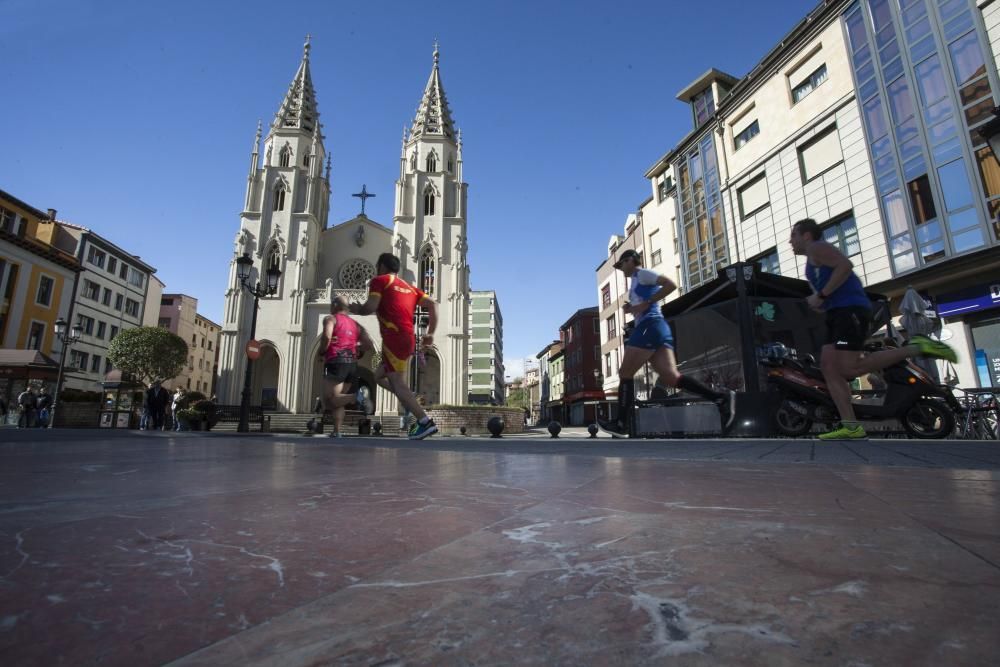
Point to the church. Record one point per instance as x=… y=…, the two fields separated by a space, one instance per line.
x=284 y=225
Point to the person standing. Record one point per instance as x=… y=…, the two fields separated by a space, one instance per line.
x=44 y=408
x=394 y=301
x=651 y=340
x=156 y=405
x=175 y=407
x=838 y=292
x=27 y=404
x=345 y=342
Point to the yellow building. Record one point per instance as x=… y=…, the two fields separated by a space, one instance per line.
x=36 y=287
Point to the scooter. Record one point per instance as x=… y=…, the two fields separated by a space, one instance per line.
x=924 y=408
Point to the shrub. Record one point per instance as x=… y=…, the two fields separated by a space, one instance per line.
x=189 y=398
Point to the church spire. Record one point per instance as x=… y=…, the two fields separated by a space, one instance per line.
x=298 y=109
x=433 y=114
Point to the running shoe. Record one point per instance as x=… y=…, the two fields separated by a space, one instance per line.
x=613 y=428
x=842 y=432
x=933 y=348
x=420 y=431
x=335 y=434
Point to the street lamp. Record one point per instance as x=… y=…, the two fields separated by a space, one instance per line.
x=244 y=266
x=599 y=385
x=67 y=338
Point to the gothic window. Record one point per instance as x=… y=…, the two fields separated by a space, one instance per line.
x=428 y=202
x=432 y=162
x=285 y=159
x=273 y=258
x=427 y=271
x=451 y=164
x=279 y=198
x=306 y=161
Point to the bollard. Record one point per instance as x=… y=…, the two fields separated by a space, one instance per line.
x=377 y=428
x=592 y=430
x=554 y=428
x=495 y=426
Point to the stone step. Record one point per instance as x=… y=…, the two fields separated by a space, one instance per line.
x=287 y=422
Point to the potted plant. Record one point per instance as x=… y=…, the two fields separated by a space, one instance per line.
x=207 y=408
x=190 y=419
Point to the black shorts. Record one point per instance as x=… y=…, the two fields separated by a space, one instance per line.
x=339 y=371
x=847 y=328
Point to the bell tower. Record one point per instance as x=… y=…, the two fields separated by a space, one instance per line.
x=429 y=229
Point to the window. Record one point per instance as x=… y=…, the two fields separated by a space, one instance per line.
x=612 y=332
x=96 y=256
x=101 y=329
x=209 y=346
x=661 y=191
x=203 y=341
x=820 y=154
x=655 y=257
x=78 y=359
x=428 y=202
x=844 y=235
x=135 y=277
x=95 y=363
x=118 y=301
x=194 y=339
x=606 y=296
x=753 y=196
x=704 y=106
x=112 y=265
x=432 y=163
x=427 y=272
x=8 y=221
x=36 y=335
x=802 y=90
x=131 y=307
x=163 y=323
x=91 y=290
x=114 y=332
x=451 y=163
x=123 y=274
x=107 y=366
x=752 y=130
x=284 y=159
x=44 y=296
x=769 y=263
x=106 y=298
x=279 y=198
x=87 y=324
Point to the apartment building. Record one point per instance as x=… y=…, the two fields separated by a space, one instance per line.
x=179 y=314
x=110 y=296
x=866 y=118
x=582 y=391
x=545 y=391
x=486 y=369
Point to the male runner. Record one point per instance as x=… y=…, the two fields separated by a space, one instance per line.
x=838 y=292
x=345 y=341
x=394 y=302
x=652 y=341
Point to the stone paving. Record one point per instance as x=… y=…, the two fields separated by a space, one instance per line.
x=130 y=548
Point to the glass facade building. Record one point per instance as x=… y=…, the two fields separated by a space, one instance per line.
x=924 y=89
x=701 y=218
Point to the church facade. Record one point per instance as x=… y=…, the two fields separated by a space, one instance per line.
x=284 y=225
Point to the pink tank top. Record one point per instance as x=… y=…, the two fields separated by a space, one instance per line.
x=345 y=338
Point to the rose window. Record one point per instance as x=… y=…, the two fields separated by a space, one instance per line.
x=356 y=273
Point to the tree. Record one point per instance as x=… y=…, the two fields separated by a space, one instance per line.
x=149 y=354
x=519 y=398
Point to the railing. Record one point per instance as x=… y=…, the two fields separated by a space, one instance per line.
x=325 y=295
x=231 y=413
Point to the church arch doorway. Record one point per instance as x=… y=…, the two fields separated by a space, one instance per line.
x=265 y=378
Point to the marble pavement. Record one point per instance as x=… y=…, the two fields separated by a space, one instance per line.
x=199 y=549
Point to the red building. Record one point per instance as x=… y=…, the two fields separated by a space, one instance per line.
x=582 y=390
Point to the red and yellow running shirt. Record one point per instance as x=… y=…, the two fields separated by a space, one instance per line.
x=397 y=302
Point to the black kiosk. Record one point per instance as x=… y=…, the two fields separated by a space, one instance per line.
x=721 y=331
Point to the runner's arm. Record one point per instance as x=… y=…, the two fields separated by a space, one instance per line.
x=327 y=335
x=365 y=342
x=825 y=254
x=432 y=320
x=366 y=308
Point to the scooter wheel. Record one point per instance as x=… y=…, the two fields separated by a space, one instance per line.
x=789 y=421
x=928 y=419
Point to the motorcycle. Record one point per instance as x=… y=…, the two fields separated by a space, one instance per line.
x=925 y=408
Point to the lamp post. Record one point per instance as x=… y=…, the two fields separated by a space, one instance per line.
x=67 y=337
x=244 y=266
x=599 y=386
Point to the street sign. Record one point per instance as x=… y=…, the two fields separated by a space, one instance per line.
x=253 y=350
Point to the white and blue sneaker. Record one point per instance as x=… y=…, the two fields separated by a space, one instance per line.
x=420 y=431
x=362 y=400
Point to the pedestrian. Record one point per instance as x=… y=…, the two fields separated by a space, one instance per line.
x=651 y=340
x=27 y=403
x=344 y=343
x=156 y=405
x=3 y=411
x=144 y=415
x=175 y=407
x=44 y=408
x=838 y=292
x=395 y=302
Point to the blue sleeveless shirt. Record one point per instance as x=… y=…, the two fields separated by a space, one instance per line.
x=851 y=292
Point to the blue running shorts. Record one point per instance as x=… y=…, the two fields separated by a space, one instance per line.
x=651 y=334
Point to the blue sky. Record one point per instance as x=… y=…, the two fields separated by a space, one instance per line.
x=136 y=119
